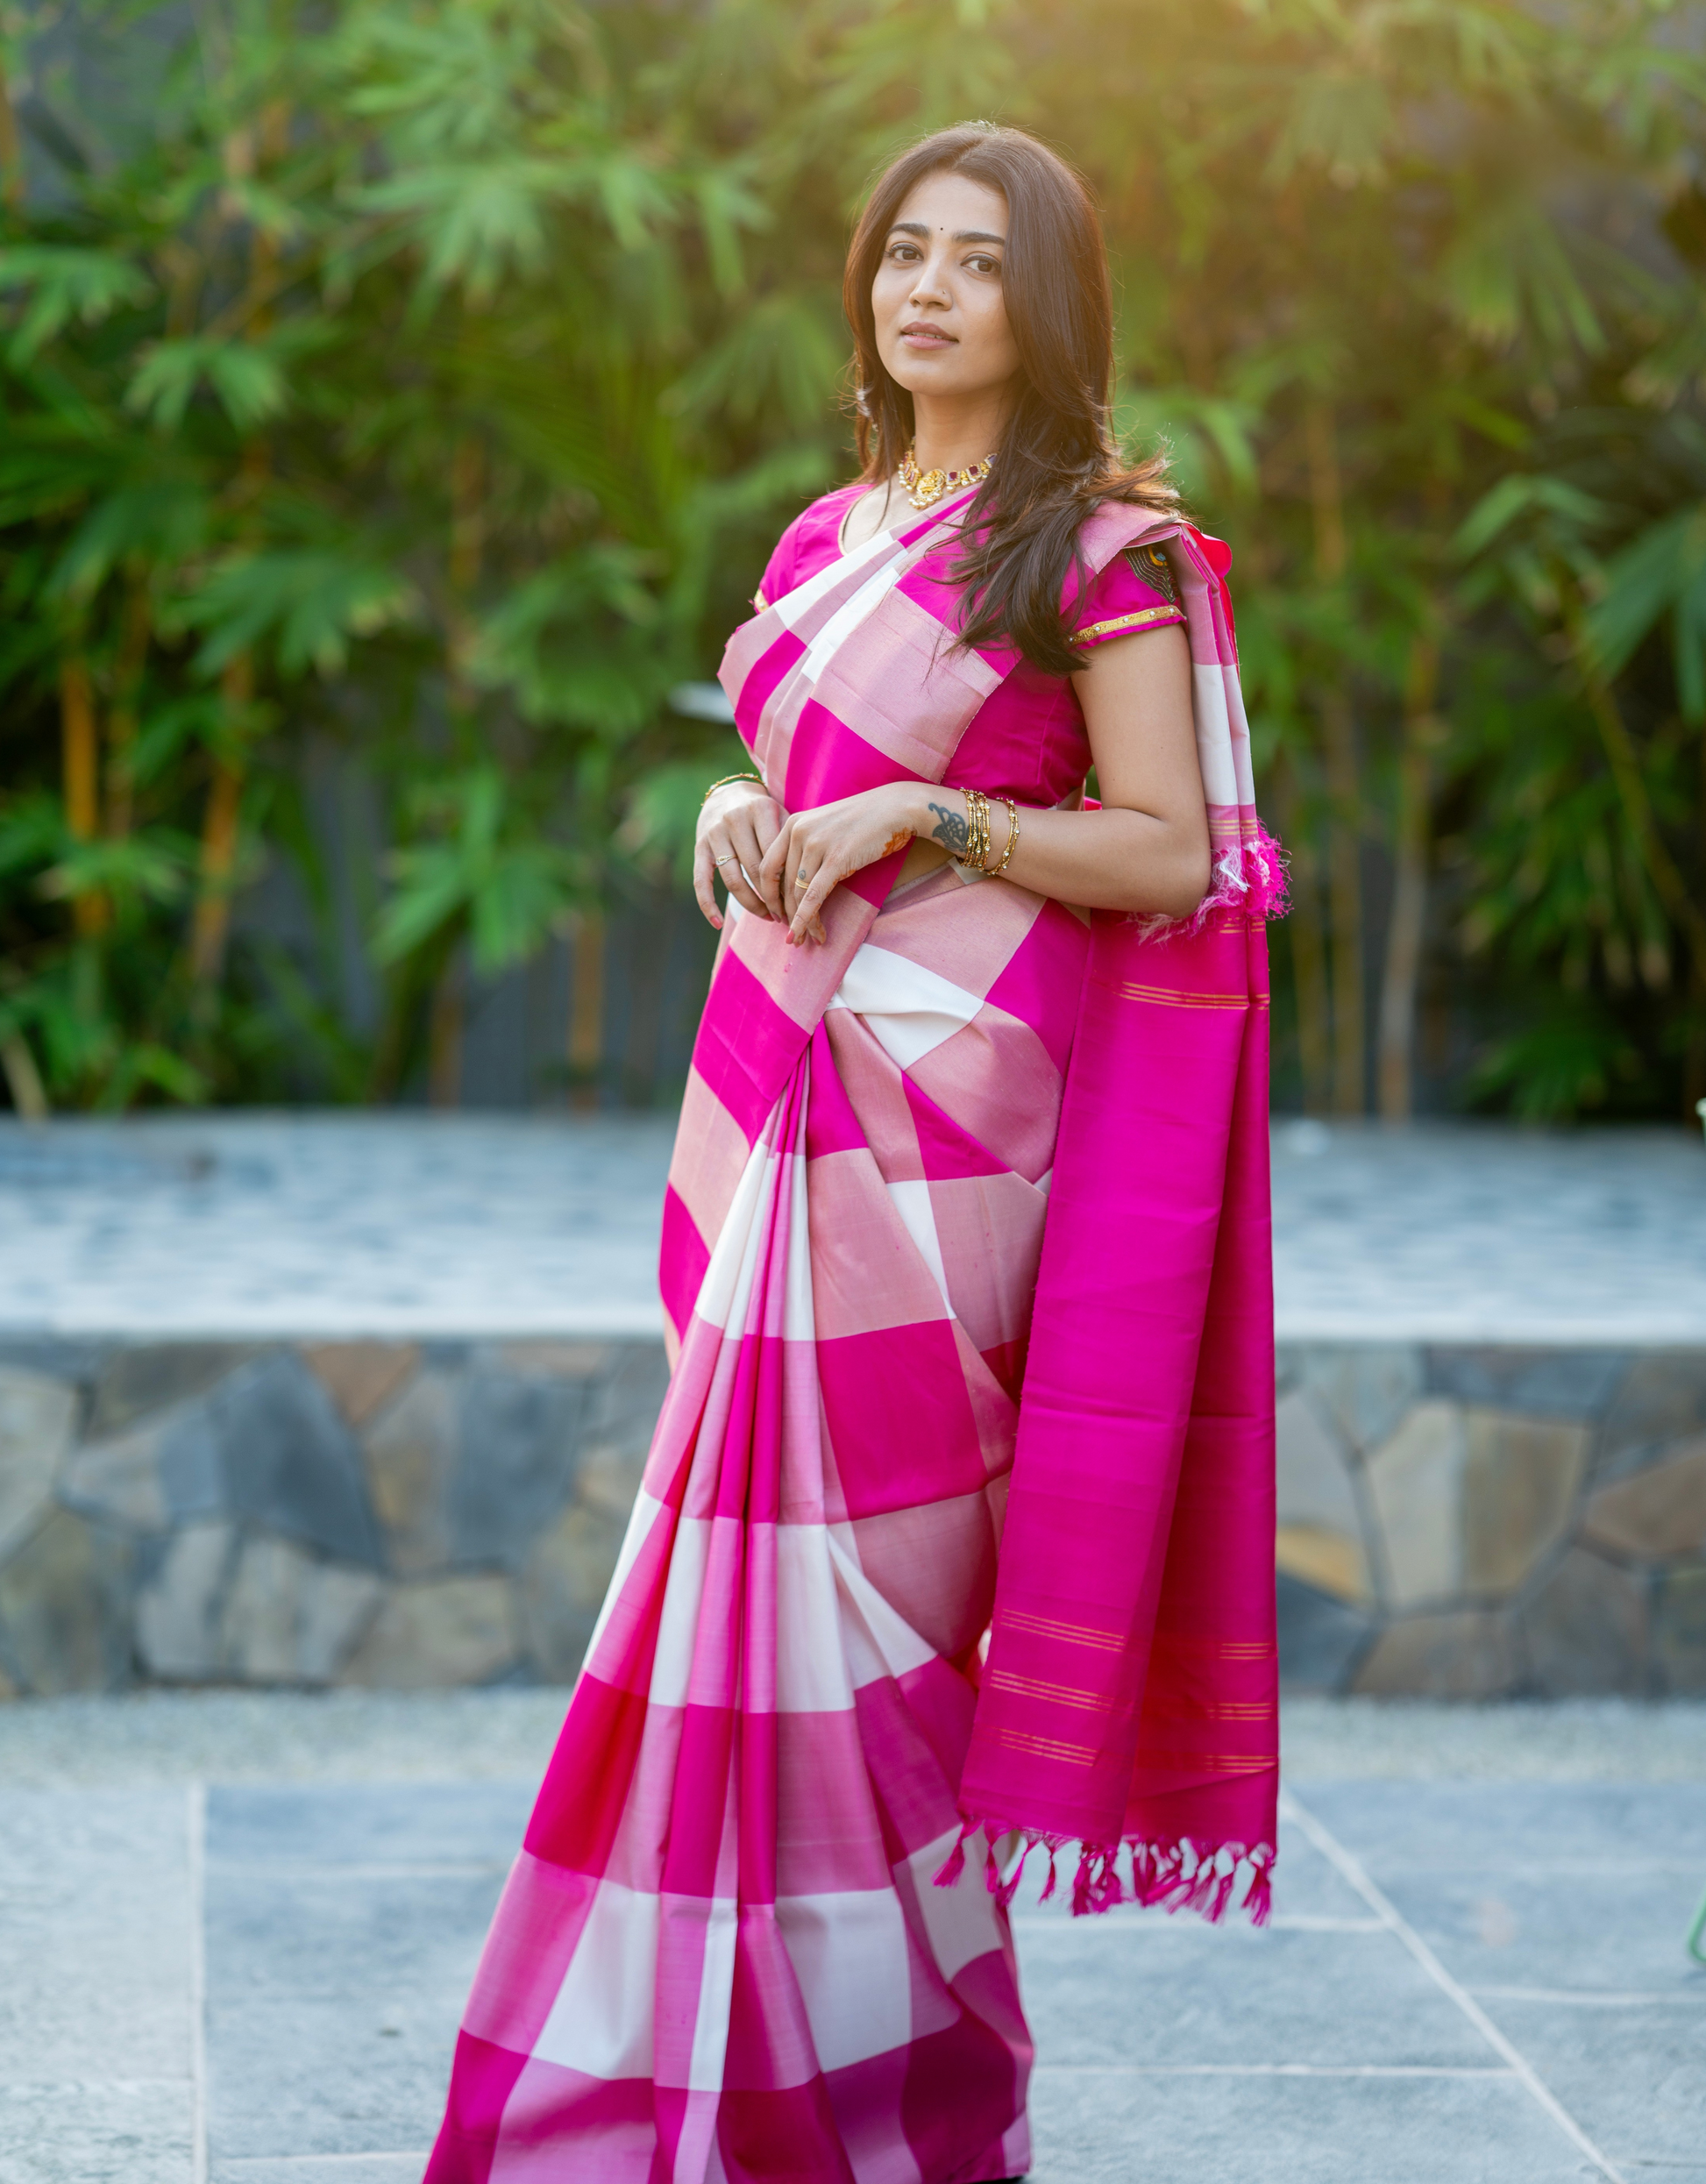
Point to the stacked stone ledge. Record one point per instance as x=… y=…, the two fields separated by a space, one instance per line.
x=1462 y=1522
x=309 y=1514
x=1454 y=1521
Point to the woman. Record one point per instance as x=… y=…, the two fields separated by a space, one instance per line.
x=744 y=1939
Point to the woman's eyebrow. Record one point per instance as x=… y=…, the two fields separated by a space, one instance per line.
x=965 y=235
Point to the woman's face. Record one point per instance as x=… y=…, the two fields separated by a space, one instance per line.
x=941 y=319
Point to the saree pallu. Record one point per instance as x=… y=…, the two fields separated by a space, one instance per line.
x=742 y=1940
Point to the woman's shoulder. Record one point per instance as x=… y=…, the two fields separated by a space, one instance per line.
x=1130 y=583
x=809 y=542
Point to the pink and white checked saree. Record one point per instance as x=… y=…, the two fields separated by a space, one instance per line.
x=742 y=1941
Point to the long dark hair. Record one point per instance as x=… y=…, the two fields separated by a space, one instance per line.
x=1058 y=456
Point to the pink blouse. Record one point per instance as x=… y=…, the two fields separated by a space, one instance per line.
x=1029 y=740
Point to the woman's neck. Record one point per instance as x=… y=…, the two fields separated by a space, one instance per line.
x=952 y=432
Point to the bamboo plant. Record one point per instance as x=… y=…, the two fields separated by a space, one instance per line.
x=431 y=378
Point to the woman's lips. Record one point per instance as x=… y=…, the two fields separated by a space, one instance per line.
x=926 y=338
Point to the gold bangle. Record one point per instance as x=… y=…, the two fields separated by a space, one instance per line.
x=724 y=783
x=977 y=811
x=1013 y=835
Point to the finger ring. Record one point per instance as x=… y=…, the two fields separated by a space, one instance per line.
x=729 y=859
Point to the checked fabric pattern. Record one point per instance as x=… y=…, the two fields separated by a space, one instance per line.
x=725 y=1953
x=720 y=1954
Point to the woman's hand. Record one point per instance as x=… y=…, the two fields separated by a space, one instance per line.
x=739 y=822
x=815 y=851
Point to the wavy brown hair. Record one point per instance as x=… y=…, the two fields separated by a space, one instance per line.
x=1058 y=456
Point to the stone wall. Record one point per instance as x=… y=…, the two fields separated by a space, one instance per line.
x=1479 y=1523
x=366 y=1514
x=1460 y=1522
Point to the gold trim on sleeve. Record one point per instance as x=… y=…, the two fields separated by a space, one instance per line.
x=1145 y=618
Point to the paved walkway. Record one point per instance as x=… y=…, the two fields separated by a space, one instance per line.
x=411 y=1225
x=1475 y=1975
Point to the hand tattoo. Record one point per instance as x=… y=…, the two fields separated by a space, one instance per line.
x=953 y=833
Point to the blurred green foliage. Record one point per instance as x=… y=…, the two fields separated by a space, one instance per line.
x=435 y=374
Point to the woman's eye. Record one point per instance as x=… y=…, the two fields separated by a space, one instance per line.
x=983 y=265
x=903 y=253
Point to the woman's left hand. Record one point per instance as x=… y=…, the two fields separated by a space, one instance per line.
x=817 y=850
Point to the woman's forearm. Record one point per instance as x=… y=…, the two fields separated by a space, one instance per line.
x=1110 y=859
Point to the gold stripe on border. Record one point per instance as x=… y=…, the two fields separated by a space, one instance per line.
x=1170 y=996
x=1206 y=1762
x=1063 y=1694
x=1141 y=619
x=1230 y=1710
x=1219 y=1648
x=1073 y=1633
x=1047 y=1747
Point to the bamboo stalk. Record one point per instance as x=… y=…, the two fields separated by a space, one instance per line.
x=222 y=820
x=122 y=720
x=79 y=755
x=468 y=543
x=29 y=1094
x=445 y=1023
x=210 y=929
x=1402 y=976
x=1662 y=871
x=1326 y=491
x=12 y=151
x=1693 y=1059
x=1302 y=929
x=447 y=1018
x=77 y=735
x=1625 y=764
x=467 y=514
x=587 y=1009
x=1344 y=907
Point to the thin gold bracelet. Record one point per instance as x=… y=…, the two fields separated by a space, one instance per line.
x=1012 y=836
x=724 y=783
x=977 y=811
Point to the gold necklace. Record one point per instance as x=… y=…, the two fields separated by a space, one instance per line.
x=926 y=487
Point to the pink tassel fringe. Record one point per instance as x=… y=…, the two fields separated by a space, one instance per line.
x=955 y=1865
x=1250 y=878
x=1172 y=1876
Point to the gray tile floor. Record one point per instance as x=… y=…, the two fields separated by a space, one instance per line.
x=257 y=1981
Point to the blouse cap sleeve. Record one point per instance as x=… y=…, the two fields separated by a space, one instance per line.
x=778 y=579
x=1136 y=590
x=808 y=542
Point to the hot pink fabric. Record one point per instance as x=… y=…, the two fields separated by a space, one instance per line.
x=730 y=1949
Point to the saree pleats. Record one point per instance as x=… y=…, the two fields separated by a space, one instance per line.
x=722 y=1953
